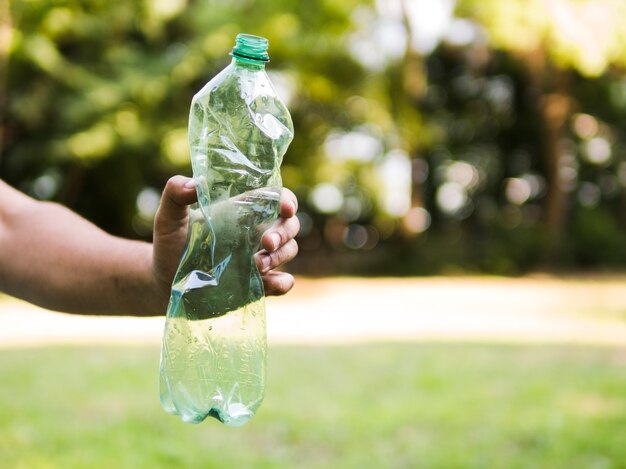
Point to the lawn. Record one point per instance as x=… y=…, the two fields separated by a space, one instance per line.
x=408 y=405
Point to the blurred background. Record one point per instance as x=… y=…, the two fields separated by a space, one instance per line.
x=482 y=142
x=431 y=136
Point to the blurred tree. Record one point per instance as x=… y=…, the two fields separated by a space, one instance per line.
x=555 y=39
x=413 y=152
x=100 y=92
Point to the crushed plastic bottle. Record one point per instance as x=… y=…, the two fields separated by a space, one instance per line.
x=214 y=342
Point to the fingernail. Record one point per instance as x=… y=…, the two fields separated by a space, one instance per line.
x=295 y=208
x=274 y=241
x=190 y=184
x=265 y=263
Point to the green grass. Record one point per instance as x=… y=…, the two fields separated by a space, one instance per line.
x=379 y=406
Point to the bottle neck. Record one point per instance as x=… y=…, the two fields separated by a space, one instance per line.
x=250 y=64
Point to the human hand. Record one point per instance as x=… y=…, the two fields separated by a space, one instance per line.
x=279 y=246
x=170 y=236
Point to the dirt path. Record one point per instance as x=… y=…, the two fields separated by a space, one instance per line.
x=344 y=310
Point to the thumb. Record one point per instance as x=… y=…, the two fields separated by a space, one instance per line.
x=179 y=192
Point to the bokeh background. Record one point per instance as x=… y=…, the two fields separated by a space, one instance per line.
x=433 y=137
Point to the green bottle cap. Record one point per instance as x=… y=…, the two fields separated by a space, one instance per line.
x=251 y=47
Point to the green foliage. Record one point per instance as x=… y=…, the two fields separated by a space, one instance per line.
x=383 y=405
x=599 y=240
x=100 y=91
x=98 y=95
x=587 y=35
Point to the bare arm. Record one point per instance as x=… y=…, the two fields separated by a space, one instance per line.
x=54 y=258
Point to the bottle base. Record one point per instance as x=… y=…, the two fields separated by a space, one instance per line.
x=214 y=367
x=237 y=415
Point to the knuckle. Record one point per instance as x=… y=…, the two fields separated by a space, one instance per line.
x=292 y=198
x=279 y=284
x=287 y=230
x=278 y=233
x=276 y=258
x=294 y=225
x=270 y=286
x=171 y=183
x=286 y=284
x=282 y=234
x=294 y=247
x=285 y=253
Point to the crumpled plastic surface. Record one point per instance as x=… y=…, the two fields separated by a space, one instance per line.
x=213 y=353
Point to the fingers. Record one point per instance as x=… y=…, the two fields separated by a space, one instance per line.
x=280 y=234
x=179 y=192
x=288 y=204
x=287 y=226
x=280 y=247
x=277 y=283
x=267 y=261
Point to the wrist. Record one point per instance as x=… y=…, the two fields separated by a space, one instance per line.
x=150 y=295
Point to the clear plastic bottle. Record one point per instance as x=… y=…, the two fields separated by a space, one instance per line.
x=214 y=343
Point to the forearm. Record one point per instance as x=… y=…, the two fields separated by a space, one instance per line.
x=52 y=257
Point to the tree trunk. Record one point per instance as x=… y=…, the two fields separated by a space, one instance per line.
x=555 y=110
x=554 y=107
